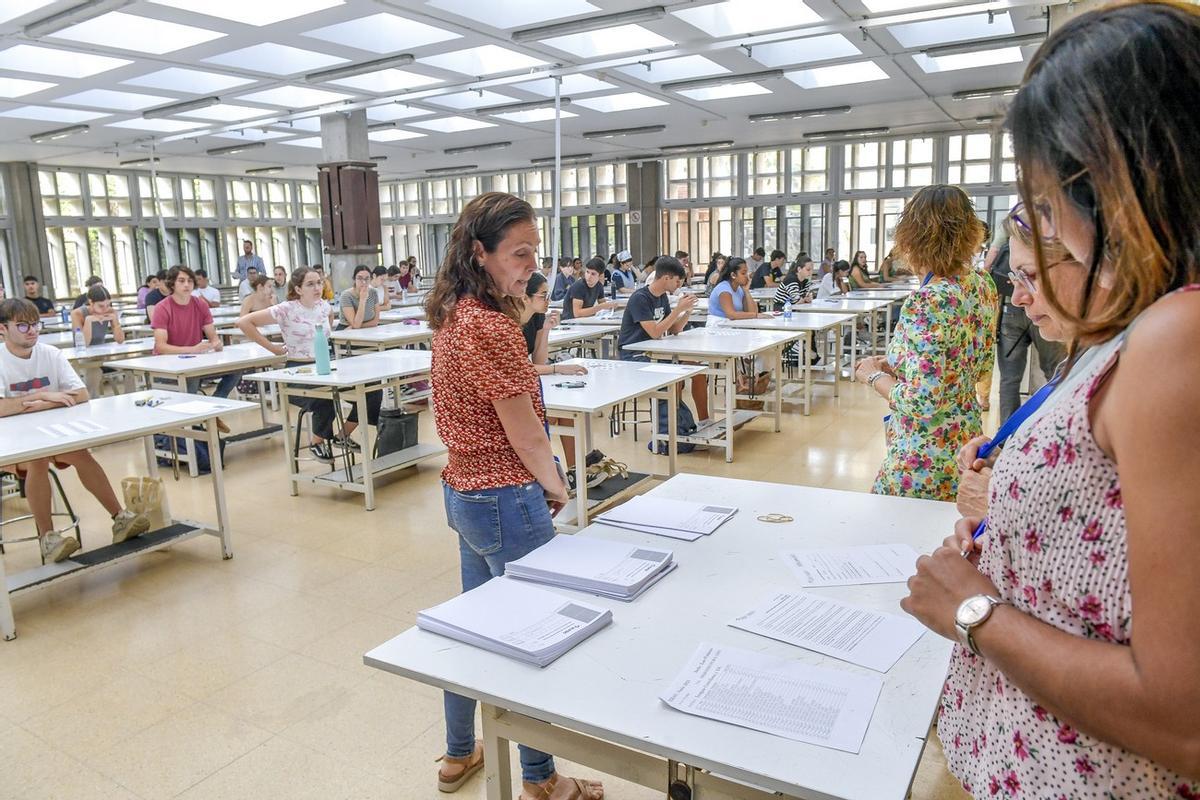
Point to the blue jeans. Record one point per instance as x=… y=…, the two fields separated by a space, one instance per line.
x=228 y=383
x=494 y=526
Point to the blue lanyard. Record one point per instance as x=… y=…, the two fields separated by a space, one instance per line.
x=928 y=277
x=1010 y=426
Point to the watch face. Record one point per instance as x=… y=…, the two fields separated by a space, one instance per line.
x=973 y=610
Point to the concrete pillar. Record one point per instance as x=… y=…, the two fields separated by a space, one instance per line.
x=344 y=138
x=29 y=253
x=645 y=210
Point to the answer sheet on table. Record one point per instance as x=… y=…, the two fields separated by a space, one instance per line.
x=854 y=565
x=783 y=697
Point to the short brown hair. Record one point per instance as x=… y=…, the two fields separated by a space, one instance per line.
x=17 y=309
x=174 y=273
x=938 y=230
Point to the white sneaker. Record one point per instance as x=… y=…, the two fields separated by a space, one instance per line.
x=128 y=525
x=56 y=547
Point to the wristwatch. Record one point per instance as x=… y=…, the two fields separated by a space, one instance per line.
x=973 y=612
x=874 y=376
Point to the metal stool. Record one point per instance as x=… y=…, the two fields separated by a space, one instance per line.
x=14 y=486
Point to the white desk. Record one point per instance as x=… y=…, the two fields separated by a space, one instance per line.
x=353 y=378
x=588 y=336
x=22 y=439
x=602 y=319
x=383 y=337
x=402 y=313
x=870 y=309
x=880 y=294
x=610 y=383
x=720 y=349
x=811 y=325
x=598 y=705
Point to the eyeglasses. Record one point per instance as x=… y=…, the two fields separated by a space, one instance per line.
x=1022 y=278
x=541 y=296
x=362 y=277
x=28 y=327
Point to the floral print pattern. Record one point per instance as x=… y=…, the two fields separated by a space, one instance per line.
x=944 y=342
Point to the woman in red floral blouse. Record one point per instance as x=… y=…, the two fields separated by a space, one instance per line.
x=501 y=484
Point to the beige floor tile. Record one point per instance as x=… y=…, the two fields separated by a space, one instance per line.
x=38 y=673
x=296 y=621
x=35 y=769
x=212 y=663
x=283 y=769
x=285 y=691
x=307 y=570
x=345 y=647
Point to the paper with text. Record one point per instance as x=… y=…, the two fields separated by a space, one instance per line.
x=660 y=512
x=853 y=565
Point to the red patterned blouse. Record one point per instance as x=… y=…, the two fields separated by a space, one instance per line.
x=479 y=357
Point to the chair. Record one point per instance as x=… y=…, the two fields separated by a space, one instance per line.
x=12 y=484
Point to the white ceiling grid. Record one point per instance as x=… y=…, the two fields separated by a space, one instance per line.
x=254 y=57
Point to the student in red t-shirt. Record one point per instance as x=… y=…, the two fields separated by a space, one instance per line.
x=183 y=325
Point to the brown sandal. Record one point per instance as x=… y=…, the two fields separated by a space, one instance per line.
x=454 y=772
x=582 y=790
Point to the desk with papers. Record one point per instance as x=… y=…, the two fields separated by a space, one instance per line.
x=383 y=337
x=621 y=701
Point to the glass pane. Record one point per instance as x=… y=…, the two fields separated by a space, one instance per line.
x=977 y=173
x=921 y=151
x=979 y=146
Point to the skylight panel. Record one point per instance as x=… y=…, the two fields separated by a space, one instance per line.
x=980 y=58
x=194 y=81
x=157 y=125
x=294 y=97
x=627 y=101
x=276 y=59
x=571 y=85
x=743 y=17
x=18 y=87
x=488 y=59
x=140 y=34
x=463 y=100
x=841 y=75
x=387 y=80
x=607 y=41
x=674 y=69
x=62 y=63
x=515 y=13
x=52 y=114
x=308 y=141
x=803 y=51
x=726 y=92
x=452 y=124
x=310 y=124
x=16 y=8
x=885 y=6
x=114 y=101
x=225 y=112
x=394 y=111
x=534 y=115
x=251 y=135
x=383 y=33
x=951 y=29
x=393 y=135
x=258 y=12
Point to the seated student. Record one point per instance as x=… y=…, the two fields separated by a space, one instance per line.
x=562 y=280
x=246 y=287
x=298 y=318
x=624 y=276
x=280 y=284
x=148 y=285
x=206 y=291
x=33 y=293
x=584 y=297
x=34 y=377
x=797 y=286
x=357 y=307
x=82 y=297
x=730 y=299
x=770 y=273
x=98 y=323
x=383 y=297
x=858 y=277
x=262 y=295
x=405 y=279
x=894 y=266
x=648 y=315
x=713 y=273
x=327 y=284
x=157 y=293
x=835 y=282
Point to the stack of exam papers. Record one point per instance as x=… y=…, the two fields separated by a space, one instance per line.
x=678 y=519
x=602 y=567
x=516 y=620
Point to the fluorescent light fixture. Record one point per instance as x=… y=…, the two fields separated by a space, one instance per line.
x=51 y=114
x=112 y=101
x=576 y=83
x=983 y=45
x=136 y=33
x=626 y=101
x=18 y=87
x=564 y=159
x=394 y=111
x=679 y=148
x=74 y=15
x=452 y=124
x=233 y=149
x=61 y=63
x=512 y=13
x=350 y=70
x=386 y=81
x=382 y=33
x=984 y=94
x=379 y=158
x=722 y=80
x=804 y=51
x=181 y=107
x=275 y=59
x=596 y=23
x=973 y=60
x=488 y=59
x=307 y=141
x=297 y=97
x=537 y=115
x=192 y=81
x=143 y=160
x=394 y=135
x=265 y=170
x=847 y=134
x=476 y=148
x=609 y=41
x=927 y=33
x=727 y=92
x=59 y=133
x=748 y=16
x=471 y=99
x=840 y=75
x=532 y=105
x=258 y=13
x=616 y=132
x=673 y=69
x=19 y=8
x=989 y=119
x=157 y=125
x=447 y=170
x=780 y=116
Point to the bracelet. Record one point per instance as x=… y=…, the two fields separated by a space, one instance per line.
x=874 y=376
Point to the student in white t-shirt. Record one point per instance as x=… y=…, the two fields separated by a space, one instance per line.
x=36 y=377
x=835 y=282
x=205 y=290
x=246 y=288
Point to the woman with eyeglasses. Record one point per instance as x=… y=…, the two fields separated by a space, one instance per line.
x=1076 y=604
x=358 y=305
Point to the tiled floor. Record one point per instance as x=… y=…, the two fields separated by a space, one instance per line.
x=182 y=675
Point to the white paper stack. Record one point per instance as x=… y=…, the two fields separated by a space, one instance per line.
x=516 y=620
x=679 y=519
x=610 y=569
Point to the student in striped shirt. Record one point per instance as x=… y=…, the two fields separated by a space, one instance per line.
x=797 y=285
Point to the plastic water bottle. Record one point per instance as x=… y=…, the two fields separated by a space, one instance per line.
x=77 y=337
x=321 y=350
x=63 y=314
x=403 y=295
x=787 y=310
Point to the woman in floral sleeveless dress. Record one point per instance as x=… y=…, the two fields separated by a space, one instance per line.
x=1093 y=508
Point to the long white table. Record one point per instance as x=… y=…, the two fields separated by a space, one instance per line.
x=720 y=349
x=353 y=378
x=610 y=383
x=866 y=308
x=586 y=336
x=816 y=327
x=402 y=313
x=598 y=705
x=383 y=337
x=24 y=437
x=879 y=294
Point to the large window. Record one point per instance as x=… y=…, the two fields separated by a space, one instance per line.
x=576 y=186
x=62 y=193
x=198 y=197
x=912 y=162
x=720 y=176
x=539 y=188
x=865 y=165
x=765 y=173
x=109 y=195
x=245 y=201
x=809 y=169
x=611 y=184
x=165 y=188
x=683 y=178
x=970 y=158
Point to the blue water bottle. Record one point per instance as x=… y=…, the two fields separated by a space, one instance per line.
x=787 y=310
x=321 y=350
x=63 y=314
